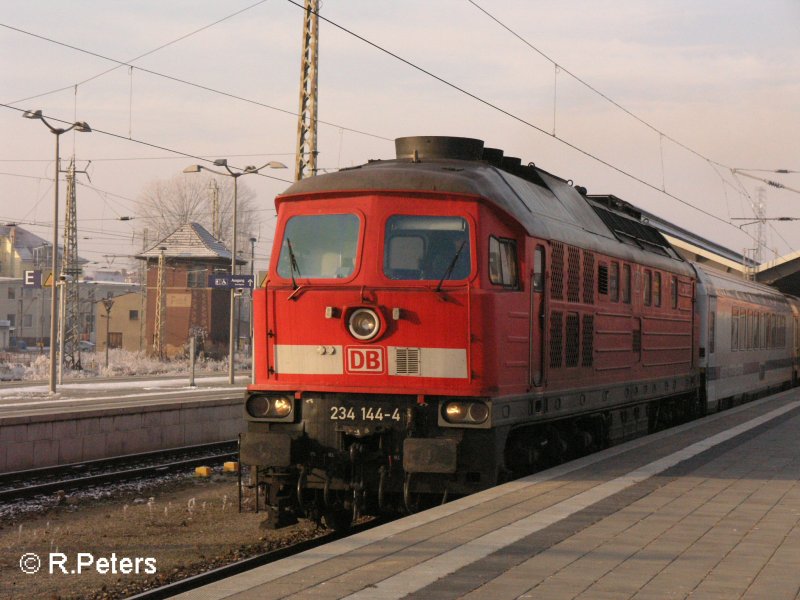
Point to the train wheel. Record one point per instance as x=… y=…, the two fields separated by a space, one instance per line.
x=338 y=519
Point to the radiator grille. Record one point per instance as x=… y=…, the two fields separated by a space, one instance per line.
x=573 y=274
x=556 y=339
x=408 y=361
x=557 y=271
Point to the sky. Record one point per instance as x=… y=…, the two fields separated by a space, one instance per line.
x=666 y=104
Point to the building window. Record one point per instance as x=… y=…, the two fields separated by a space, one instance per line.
x=196 y=278
x=11 y=294
x=114 y=339
x=27 y=320
x=12 y=319
x=133 y=315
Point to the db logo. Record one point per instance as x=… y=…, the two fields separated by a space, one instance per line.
x=364 y=359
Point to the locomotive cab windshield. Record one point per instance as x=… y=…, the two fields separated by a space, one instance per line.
x=427 y=248
x=319 y=246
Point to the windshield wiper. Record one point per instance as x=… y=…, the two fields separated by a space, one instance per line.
x=451 y=266
x=292 y=263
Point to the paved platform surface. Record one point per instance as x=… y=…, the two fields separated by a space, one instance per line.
x=709 y=509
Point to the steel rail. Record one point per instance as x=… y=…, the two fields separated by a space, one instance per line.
x=112 y=467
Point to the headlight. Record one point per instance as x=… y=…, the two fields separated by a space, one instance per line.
x=364 y=324
x=266 y=407
x=468 y=413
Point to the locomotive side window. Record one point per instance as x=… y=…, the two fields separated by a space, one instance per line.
x=657 y=289
x=426 y=247
x=538 y=269
x=503 y=262
x=613 y=282
x=319 y=246
x=674 y=292
x=647 y=288
x=626 y=284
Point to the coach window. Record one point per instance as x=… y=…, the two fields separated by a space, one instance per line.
x=734 y=328
x=647 y=287
x=319 y=247
x=712 y=331
x=426 y=247
x=503 y=262
x=625 y=284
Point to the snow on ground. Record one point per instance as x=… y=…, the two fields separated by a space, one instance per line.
x=121 y=363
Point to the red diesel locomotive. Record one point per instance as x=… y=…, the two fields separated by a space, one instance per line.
x=451 y=319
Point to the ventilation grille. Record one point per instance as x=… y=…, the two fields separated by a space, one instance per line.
x=588 y=277
x=408 y=361
x=573 y=274
x=602 y=279
x=573 y=340
x=557 y=271
x=556 y=339
x=587 y=352
x=635 y=232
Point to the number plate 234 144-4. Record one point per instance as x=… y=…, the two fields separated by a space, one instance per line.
x=364 y=413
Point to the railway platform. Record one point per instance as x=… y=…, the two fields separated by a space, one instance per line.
x=709 y=509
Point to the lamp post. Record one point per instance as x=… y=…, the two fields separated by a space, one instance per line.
x=252 y=345
x=83 y=127
x=107 y=304
x=223 y=162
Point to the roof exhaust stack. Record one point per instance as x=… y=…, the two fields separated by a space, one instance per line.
x=418 y=148
x=493 y=156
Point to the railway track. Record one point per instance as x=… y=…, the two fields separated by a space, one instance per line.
x=20 y=485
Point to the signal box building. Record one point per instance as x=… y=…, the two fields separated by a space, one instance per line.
x=189 y=307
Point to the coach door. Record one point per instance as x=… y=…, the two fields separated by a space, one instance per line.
x=537 y=339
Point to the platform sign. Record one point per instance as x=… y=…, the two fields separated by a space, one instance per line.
x=32 y=279
x=218 y=281
x=242 y=281
x=227 y=281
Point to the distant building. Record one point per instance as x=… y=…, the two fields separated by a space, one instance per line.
x=124 y=327
x=27 y=309
x=191 y=254
x=21 y=250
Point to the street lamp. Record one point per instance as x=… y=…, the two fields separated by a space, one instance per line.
x=83 y=127
x=223 y=162
x=252 y=345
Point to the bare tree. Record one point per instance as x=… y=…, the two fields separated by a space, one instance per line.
x=166 y=204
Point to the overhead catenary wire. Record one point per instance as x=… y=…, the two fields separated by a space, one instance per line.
x=181 y=81
x=521 y=120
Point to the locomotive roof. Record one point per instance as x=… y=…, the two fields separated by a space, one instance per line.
x=546 y=206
